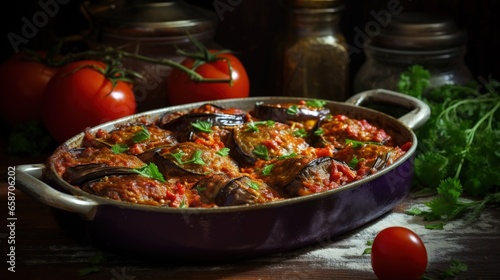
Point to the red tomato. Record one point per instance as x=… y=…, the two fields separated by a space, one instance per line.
x=181 y=89
x=80 y=96
x=398 y=253
x=23 y=82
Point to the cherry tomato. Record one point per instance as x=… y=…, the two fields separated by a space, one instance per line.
x=80 y=96
x=23 y=81
x=181 y=89
x=398 y=253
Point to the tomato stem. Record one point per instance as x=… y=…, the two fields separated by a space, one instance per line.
x=193 y=75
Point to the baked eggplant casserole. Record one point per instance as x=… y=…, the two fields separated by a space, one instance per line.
x=214 y=157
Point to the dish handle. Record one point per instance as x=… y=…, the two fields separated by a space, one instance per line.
x=29 y=178
x=419 y=114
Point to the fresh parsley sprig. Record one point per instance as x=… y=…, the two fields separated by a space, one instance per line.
x=458 y=147
x=253 y=126
x=203 y=126
x=150 y=171
x=196 y=158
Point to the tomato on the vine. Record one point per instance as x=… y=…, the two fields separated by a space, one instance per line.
x=223 y=66
x=80 y=96
x=23 y=80
x=398 y=253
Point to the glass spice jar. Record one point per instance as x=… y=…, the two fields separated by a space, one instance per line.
x=432 y=41
x=311 y=53
x=154 y=28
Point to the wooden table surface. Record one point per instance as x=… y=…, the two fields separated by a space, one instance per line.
x=43 y=250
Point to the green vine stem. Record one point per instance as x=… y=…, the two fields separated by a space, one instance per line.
x=193 y=75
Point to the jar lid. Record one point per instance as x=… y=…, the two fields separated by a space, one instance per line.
x=419 y=31
x=155 y=18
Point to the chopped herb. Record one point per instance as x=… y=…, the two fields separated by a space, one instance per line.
x=456 y=267
x=354 y=162
x=119 y=148
x=301 y=132
x=223 y=152
x=183 y=203
x=261 y=152
x=357 y=144
x=252 y=126
x=316 y=103
x=203 y=126
x=319 y=132
x=253 y=185
x=369 y=249
x=200 y=188
x=266 y=170
x=150 y=171
x=290 y=155
x=196 y=158
x=293 y=110
x=178 y=156
x=141 y=135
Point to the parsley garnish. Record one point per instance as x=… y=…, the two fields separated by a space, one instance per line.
x=357 y=144
x=301 y=132
x=266 y=170
x=223 y=152
x=119 y=148
x=316 y=103
x=354 y=162
x=196 y=158
x=261 y=152
x=290 y=155
x=253 y=185
x=319 y=132
x=203 y=126
x=141 y=135
x=150 y=171
x=293 y=110
x=252 y=126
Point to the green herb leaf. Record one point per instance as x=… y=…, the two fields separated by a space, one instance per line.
x=319 y=132
x=455 y=268
x=141 y=136
x=290 y=155
x=293 y=110
x=196 y=158
x=266 y=170
x=252 y=126
x=301 y=132
x=150 y=171
x=253 y=185
x=261 y=152
x=119 y=148
x=203 y=126
x=223 y=152
x=178 y=156
x=357 y=144
x=316 y=103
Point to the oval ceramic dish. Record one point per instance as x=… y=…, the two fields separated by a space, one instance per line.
x=236 y=231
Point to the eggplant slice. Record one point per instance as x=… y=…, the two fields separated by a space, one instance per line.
x=301 y=176
x=252 y=144
x=135 y=189
x=288 y=112
x=133 y=139
x=224 y=191
x=192 y=162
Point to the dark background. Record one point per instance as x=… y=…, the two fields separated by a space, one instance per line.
x=251 y=25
